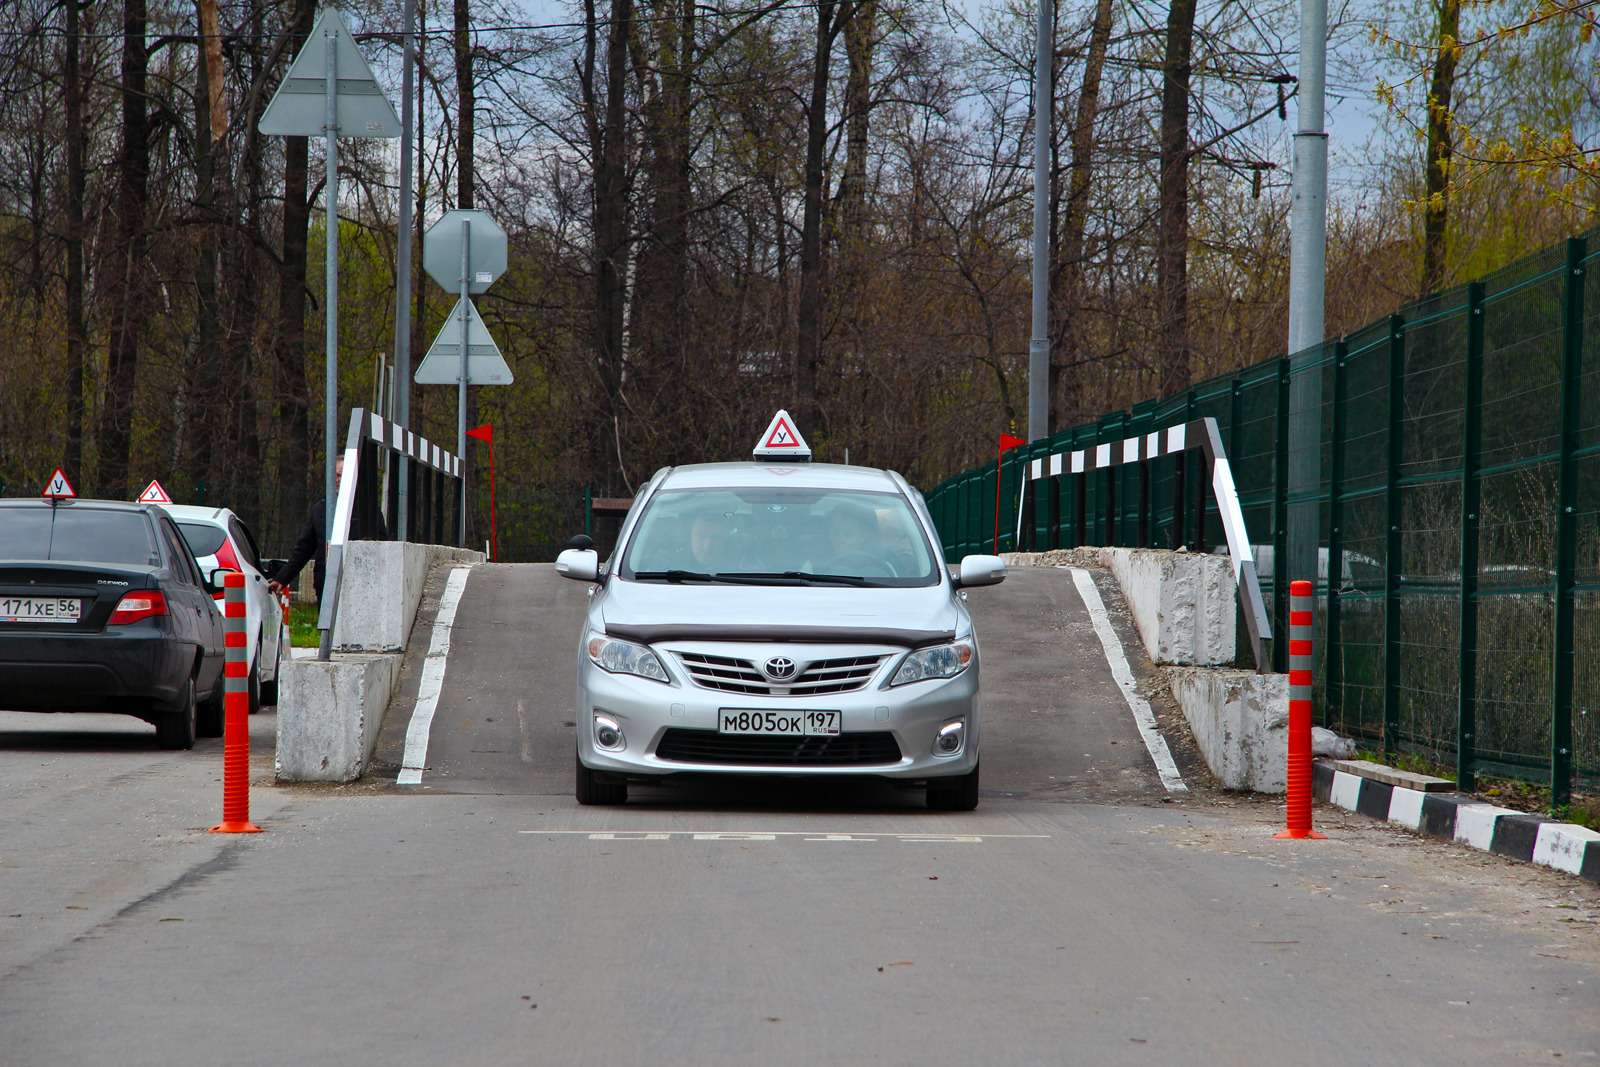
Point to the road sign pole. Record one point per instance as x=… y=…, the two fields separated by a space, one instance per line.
x=331 y=271
x=402 y=273
x=461 y=404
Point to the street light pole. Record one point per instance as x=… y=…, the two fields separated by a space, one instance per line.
x=402 y=274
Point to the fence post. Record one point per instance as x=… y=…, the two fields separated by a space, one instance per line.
x=1080 y=489
x=1567 y=527
x=1471 y=505
x=1280 y=519
x=1391 y=551
x=1333 y=669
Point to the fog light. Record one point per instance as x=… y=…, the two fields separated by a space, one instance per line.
x=951 y=736
x=607 y=734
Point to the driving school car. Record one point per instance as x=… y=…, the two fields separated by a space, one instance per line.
x=778 y=617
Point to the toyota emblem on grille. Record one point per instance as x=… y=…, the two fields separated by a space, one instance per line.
x=779 y=668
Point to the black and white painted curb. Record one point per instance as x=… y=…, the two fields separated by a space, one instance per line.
x=1457 y=817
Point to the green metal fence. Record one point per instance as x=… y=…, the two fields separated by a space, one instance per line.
x=1458 y=516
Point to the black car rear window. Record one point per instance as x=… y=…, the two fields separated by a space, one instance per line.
x=204 y=539
x=87 y=535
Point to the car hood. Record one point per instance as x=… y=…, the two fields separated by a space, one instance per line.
x=655 y=611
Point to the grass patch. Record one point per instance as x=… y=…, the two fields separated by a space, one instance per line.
x=303 y=631
x=1410 y=762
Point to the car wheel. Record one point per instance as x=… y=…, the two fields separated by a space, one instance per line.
x=954 y=794
x=590 y=790
x=269 y=690
x=175 y=727
x=255 y=684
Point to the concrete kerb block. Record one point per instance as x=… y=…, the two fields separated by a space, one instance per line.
x=329 y=714
x=1183 y=604
x=1240 y=722
x=381 y=590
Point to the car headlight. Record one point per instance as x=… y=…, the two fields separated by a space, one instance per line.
x=625 y=657
x=940 y=661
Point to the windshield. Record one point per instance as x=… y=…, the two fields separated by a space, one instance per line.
x=780 y=535
x=84 y=535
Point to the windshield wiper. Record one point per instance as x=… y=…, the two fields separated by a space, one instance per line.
x=809 y=577
x=673 y=576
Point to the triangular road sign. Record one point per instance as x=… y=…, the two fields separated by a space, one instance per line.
x=485 y=364
x=782 y=439
x=300 y=106
x=58 y=488
x=154 y=494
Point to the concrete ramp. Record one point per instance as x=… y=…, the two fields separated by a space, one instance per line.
x=1056 y=722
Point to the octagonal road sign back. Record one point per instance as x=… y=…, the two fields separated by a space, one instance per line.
x=441 y=251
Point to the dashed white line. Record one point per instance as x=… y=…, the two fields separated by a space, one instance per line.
x=1143 y=717
x=432 y=681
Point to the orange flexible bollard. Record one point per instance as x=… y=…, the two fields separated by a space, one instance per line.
x=1297 y=817
x=236 y=708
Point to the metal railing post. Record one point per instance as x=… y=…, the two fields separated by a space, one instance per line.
x=1567 y=527
x=1471 y=505
x=1392 y=541
x=1333 y=669
x=1280 y=519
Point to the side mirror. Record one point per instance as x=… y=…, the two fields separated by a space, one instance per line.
x=579 y=564
x=980 y=570
x=581 y=542
x=214 y=579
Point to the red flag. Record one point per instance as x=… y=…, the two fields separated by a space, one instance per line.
x=486 y=432
x=1007 y=442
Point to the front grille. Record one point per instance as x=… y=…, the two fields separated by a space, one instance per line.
x=729 y=675
x=843 y=750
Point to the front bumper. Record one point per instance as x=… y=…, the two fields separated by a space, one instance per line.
x=913 y=714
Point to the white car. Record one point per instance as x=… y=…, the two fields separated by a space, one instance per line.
x=219 y=539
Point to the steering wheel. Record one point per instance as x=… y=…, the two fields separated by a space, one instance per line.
x=857 y=562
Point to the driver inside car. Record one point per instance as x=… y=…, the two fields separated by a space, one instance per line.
x=852 y=542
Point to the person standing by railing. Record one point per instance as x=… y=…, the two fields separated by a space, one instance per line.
x=313 y=542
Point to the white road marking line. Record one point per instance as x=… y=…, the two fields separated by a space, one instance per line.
x=432 y=682
x=769 y=835
x=1143 y=717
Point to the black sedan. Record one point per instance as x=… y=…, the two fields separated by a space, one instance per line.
x=102 y=608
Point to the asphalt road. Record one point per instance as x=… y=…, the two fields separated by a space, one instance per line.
x=1077 y=917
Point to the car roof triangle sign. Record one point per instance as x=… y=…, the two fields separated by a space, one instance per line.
x=58 y=488
x=300 y=106
x=782 y=440
x=154 y=494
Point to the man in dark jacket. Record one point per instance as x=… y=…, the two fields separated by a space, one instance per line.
x=313 y=542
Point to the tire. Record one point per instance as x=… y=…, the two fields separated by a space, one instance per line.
x=269 y=690
x=210 y=714
x=590 y=791
x=175 y=727
x=255 y=686
x=954 y=794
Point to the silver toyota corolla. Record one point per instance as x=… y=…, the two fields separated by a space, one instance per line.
x=778 y=618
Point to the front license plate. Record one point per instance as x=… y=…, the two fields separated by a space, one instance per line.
x=778 y=723
x=40 y=609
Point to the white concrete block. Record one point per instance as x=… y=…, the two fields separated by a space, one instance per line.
x=329 y=714
x=1475 y=824
x=1182 y=604
x=1405 y=807
x=381 y=589
x=1562 y=845
x=1240 y=722
x=1346 y=790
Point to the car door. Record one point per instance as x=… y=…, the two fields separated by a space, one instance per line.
x=204 y=624
x=264 y=615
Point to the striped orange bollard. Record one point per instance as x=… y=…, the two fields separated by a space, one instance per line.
x=236 y=709
x=1298 y=814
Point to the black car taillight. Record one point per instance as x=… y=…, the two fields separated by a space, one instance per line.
x=145 y=604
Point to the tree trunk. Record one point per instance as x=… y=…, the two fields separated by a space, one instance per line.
x=294 y=461
x=127 y=302
x=1436 y=203
x=858 y=45
x=77 y=339
x=241 y=265
x=610 y=148
x=202 y=403
x=464 y=105
x=1067 y=294
x=1172 y=226
x=831 y=16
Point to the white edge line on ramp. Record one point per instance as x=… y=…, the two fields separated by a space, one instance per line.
x=1143 y=717
x=432 y=682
